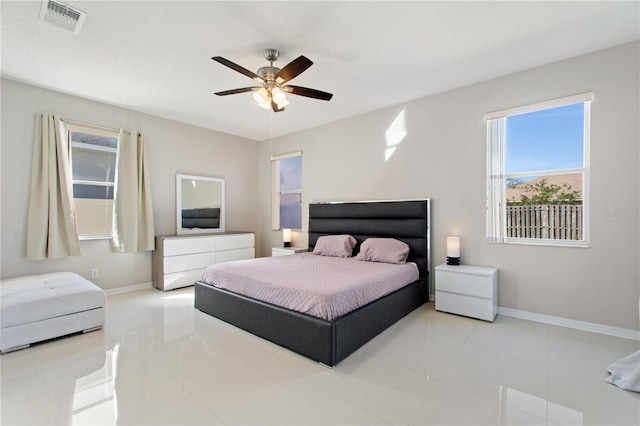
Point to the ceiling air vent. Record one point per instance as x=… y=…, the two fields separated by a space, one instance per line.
x=62 y=15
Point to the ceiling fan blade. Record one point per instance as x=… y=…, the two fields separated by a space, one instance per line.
x=238 y=68
x=274 y=107
x=234 y=91
x=309 y=93
x=293 y=69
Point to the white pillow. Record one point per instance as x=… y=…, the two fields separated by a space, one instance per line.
x=335 y=245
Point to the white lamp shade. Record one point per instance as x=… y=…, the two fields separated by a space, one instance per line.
x=282 y=103
x=263 y=98
x=278 y=95
x=286 y=235
x=453 y=246
x=261 y=95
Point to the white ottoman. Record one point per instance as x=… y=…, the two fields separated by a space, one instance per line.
x=34 y=308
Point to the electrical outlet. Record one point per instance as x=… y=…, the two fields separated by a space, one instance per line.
x=95 y=273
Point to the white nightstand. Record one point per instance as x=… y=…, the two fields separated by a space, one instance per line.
x=467 y=290
x=281 y=251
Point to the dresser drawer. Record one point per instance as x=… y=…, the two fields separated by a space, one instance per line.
x=189 y=262
x=179 y=246
x=231 y=242
x=231 y=255
x=181 y=279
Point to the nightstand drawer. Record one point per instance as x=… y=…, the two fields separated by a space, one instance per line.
x=483 y=309
x=465 y=283
x=466 y=279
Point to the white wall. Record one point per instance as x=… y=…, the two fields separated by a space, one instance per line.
x=443 y=157
x=173 y=147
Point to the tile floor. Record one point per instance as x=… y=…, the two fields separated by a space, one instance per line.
x=160 y=361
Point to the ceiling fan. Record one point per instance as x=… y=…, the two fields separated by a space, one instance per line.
x=272 y=90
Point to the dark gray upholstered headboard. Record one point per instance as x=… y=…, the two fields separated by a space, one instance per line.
x=408 y=221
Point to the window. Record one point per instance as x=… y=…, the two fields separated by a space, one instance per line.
x=287 y=191
x=93 y=166
x=538 y=172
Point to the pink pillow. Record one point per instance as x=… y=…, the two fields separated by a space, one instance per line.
x=385 y=250
x=335 y=245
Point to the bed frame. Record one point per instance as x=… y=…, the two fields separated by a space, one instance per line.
x=329 y=342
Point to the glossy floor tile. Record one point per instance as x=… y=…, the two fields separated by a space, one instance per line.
x=158 y=361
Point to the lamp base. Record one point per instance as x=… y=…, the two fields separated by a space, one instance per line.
x=453 y=260
x=287 y=244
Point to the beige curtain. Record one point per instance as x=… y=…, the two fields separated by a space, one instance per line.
x=132 y=209
x=51 y=223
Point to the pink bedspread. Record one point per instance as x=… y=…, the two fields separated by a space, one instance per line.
x=321 y=286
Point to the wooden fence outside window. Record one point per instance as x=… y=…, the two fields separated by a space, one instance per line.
x=547 y=221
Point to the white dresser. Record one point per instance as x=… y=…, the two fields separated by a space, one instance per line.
x=178 y=260
x=467 y=290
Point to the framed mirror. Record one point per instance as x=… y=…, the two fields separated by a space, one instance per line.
x=199 y=204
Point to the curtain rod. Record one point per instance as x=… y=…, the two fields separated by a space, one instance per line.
x=95 y=126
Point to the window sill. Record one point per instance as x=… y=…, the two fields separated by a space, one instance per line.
x=549 y=243
x=94 y=237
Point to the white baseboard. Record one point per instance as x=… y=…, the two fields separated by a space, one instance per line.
x=128 y=288
x=515 y=313
x=569 y=323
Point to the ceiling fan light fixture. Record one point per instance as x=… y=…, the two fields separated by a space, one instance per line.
x=278 y=95
x=283 y=103
x=261 y=96
x=266 y=104
x=272 y=93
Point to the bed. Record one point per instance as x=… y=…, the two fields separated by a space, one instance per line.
x=330 y=341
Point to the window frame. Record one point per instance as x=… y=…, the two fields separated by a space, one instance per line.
x=76 y=127
x=275 y=190
x=496 y=175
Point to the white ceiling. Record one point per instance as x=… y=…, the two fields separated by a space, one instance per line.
x=155 y=57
